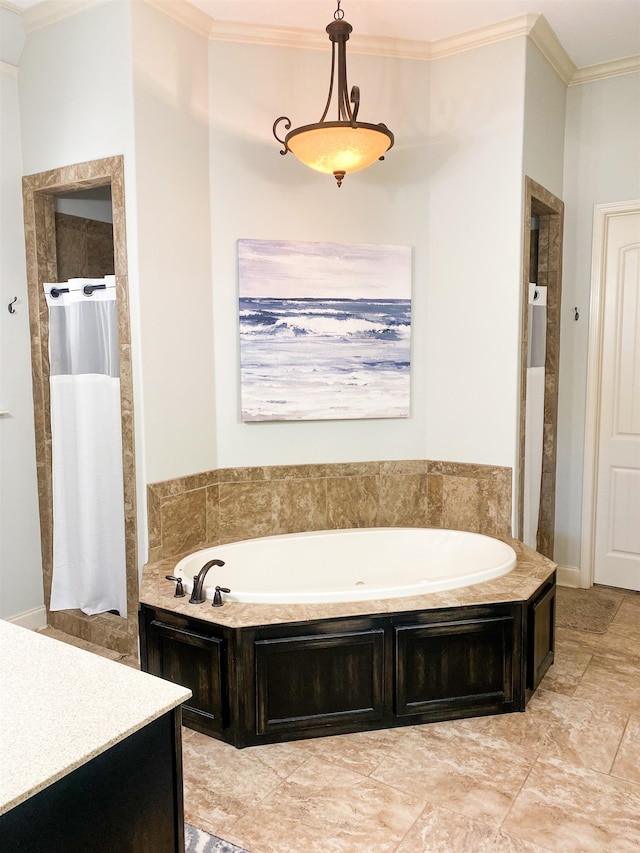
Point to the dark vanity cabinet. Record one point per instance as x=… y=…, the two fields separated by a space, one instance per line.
x=127 y=798
x=270 y=683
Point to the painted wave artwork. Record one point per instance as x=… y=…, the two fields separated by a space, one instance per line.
x=324 y=356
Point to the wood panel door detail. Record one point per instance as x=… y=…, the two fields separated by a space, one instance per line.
x=454 y=666
x=617 y=504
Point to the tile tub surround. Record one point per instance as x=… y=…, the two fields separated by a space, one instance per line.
x=531 y=570
x=231 y=504
x=68 y=707
x=84 y=247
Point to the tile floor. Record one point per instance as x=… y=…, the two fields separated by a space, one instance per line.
x=563 y=776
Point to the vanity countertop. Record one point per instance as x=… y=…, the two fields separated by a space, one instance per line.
x=60 y=706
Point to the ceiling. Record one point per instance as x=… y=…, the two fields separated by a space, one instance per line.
x=591 y=31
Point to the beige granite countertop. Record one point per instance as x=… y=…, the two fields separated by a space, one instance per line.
x=531 y=570
x=60 y=706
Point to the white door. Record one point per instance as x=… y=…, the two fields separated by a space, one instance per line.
x=617 y=498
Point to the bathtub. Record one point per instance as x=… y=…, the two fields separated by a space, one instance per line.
x=349 y=565
x=273 y=670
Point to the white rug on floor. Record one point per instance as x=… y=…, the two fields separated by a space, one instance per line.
x=199 y=841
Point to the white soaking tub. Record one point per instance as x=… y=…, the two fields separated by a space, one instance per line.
x=349 y=565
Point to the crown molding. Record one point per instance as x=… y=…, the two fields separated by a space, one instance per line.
x=549 y=46
x=441 y=48
x=44 y=14
x=629 y=65
x=535 y=27
x=184 y=13
x=523 y=25
x=373 y=45
x=229 y=31
x=532 y=26
x=8 y=67
x=232 y=31
x=484 y=36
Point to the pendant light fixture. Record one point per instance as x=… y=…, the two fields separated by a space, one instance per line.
x=342 y=146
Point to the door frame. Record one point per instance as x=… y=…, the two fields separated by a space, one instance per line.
x=541 y=202
x=38 y=191
x=602 y=213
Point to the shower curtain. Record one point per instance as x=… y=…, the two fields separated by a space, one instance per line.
x=89 y=565
x=534 y=413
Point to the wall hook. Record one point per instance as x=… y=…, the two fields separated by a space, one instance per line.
x=12 y=310
x=576 y=314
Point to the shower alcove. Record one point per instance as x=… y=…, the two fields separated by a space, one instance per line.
x=542 y=265
x=59 y=248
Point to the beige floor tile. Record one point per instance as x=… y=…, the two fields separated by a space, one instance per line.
x=627 y=763
x=322 y=808
x=585 y=641
x=555 y=726
x=611 y=679
x=222 y=783
x=570 y=663
x=626 y=623
x=439 y=830
x=568 y=809
x=604 y=643
x=457 y=769
x=361 y=752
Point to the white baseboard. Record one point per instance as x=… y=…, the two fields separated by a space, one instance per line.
x=569 y=576
x=32 y=619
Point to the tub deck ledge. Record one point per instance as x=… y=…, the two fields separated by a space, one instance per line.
x=530 y=572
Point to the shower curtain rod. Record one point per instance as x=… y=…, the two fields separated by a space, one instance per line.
x=87 y=289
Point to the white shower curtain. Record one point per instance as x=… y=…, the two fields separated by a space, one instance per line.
x=534 y=413
x=89 y=564
x=534 y=439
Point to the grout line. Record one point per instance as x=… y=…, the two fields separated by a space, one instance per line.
x=524 y=782
x=402 y=840
x=613 y=761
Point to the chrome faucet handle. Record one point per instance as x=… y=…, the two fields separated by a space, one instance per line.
x=217 y=597
x=179 y=593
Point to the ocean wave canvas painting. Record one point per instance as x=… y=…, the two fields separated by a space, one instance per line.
x=325 y=330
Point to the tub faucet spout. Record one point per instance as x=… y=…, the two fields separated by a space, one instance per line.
x=198 y=593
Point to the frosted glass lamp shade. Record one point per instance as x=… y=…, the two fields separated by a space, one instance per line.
x=338 y=148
